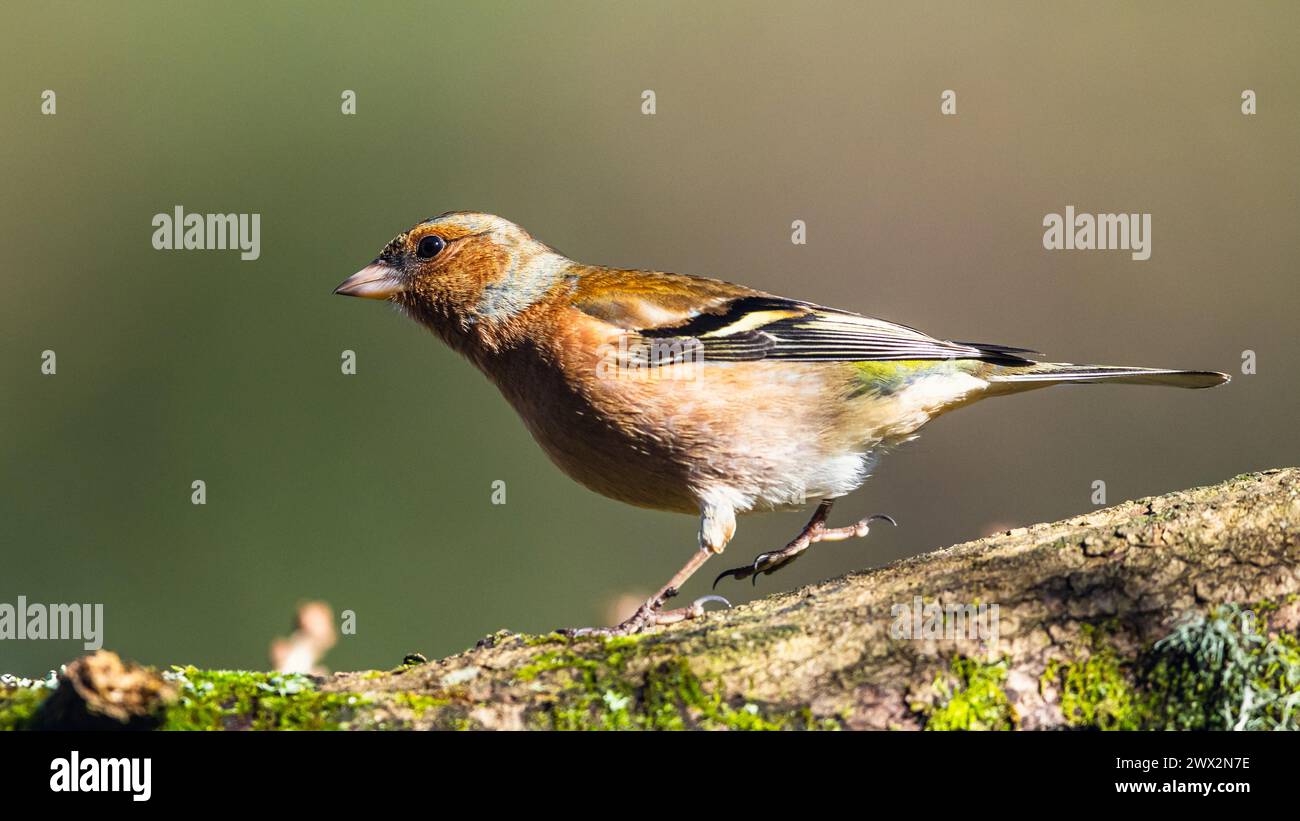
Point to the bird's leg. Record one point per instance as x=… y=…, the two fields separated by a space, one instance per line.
x=717 y=526
x=652 y=613
x=813 y=532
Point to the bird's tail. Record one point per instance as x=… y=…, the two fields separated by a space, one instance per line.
x=1042 y=374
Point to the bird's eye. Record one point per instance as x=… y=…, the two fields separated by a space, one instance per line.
x=430 y=246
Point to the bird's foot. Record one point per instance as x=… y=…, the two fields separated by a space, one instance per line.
x=815 y=531
x=650 y=614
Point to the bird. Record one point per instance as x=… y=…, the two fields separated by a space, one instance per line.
x=683 y=393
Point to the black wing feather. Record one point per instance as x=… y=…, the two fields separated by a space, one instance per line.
x=817 y=334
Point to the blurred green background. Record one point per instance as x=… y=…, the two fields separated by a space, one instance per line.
x=373 y=491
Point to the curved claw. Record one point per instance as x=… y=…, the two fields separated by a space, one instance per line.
x=738 y=572
x=884 y=517
x=754 y=569
x=702 y=600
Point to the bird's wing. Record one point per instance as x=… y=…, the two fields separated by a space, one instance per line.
x=642 y=300
x=736 y=324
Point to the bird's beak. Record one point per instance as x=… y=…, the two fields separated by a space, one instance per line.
x=375 y=281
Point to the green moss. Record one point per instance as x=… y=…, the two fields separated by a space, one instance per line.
x=418 y=703
x=599 y=692
x=18 y=705
x=242 y=700
x=676 y=698
x=547 y=638
x=975 y=702
x=1095 y=691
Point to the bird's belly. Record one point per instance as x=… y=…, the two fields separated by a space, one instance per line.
x=756 y=437
x=600 y=451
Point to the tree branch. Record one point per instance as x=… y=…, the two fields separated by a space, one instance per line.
x=1155 y=613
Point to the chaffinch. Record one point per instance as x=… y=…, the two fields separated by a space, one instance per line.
x=682 y=393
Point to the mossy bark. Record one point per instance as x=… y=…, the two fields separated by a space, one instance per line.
x=1081 y=605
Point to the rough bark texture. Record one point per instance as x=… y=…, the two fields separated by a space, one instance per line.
x=1082 y=604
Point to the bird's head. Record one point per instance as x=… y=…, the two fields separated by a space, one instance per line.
x=461 y=268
